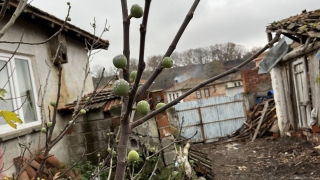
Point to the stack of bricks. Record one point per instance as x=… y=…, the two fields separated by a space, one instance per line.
x=251 y=80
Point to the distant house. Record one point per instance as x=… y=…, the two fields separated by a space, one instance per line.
x=230 y=86
x=296 y=77
x=29 y=69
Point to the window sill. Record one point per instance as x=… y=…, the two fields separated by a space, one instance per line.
x=21 y=132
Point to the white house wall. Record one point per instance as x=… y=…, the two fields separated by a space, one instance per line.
x=234 y=90
x=72 y=81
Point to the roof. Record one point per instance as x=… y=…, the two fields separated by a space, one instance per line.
x=188 y=84
x=192 y=82
x=299 y=24
x=104 y=99
x=38 y=16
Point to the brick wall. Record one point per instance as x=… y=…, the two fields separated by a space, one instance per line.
x=254 y=82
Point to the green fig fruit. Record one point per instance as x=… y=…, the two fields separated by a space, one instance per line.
x=120 y=61
x=49 y=124
x=82 y=111
x=143 y=107
x=133 y=75
x=44 y=130
x=167 y=62
x=133 y=156
x=136 y=11
x=160 y=105
x=53 y=104
x=121 y=87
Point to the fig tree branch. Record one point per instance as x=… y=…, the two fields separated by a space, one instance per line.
x=126 y=38
x=142 y=64
x=171 y=48
x=233 y=70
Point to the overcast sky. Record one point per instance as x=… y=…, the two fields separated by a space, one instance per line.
x=215 y=21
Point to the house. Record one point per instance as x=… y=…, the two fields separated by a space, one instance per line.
x=229 y=85
x=295 y=78
x=28 y=70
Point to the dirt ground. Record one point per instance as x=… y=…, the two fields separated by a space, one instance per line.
x=265 y=158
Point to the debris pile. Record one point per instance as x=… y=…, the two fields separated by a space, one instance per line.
x=259 y=121
x=52 y=170
x=202 y=163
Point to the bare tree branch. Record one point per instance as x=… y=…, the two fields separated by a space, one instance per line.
x=22 y=4
x=14 y=53
x=4 y=9
x=42 y=42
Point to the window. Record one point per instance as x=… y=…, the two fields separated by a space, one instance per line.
x=170 y=97
x=17 y=80
x=198 y=94
x=206 y=92
x=173 y=96
x=177 y=95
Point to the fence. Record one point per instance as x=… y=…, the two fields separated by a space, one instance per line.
x=212 y=118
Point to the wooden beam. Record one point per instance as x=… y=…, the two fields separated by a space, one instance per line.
x=266 y=105
x=314 y=34
x=269 y=36
x=299 y=51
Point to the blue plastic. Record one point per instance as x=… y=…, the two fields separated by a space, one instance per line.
x=270 y=94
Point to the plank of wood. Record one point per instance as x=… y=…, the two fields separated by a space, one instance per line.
x=266 y=105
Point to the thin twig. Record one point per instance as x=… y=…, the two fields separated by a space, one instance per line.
x=42 y=42
x=14 y=53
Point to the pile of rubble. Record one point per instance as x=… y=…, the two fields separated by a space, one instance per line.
x=260 y=119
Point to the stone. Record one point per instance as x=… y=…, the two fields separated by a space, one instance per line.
x=169 y=157
x=167 y=141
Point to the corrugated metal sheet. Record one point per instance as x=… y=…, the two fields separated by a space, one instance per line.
x=213 y=118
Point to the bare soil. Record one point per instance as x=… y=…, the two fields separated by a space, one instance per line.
x=265 y=158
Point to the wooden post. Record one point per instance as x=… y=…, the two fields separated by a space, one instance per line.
x=279 y=98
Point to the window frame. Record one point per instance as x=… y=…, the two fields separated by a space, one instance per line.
x=198 y=94
x=14 y=88
x=205 y=94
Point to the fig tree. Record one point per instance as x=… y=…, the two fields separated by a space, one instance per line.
x=167 y=62
x=136 y=11
x=120 y=61
x=121 y=87
x=133 y=156
x=133 y=75
x=143 y=107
